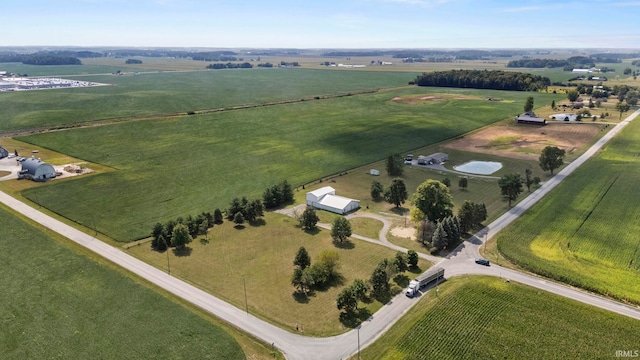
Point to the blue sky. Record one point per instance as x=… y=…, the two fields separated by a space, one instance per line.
x=323 y=24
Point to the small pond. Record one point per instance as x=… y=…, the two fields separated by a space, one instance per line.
x=479 y=167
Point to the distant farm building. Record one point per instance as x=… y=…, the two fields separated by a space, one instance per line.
x=564 y=117
x=437 y=158
x=36 y=170
x=3 y=153
x=530 y=118
x=325 y=198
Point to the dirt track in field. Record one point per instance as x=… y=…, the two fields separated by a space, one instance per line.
x=527 y=141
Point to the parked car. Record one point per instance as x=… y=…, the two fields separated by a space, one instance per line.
x=482 y=261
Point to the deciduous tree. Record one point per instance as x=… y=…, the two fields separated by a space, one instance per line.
x=528 y=105
x=341 y=229
x=551 y=158
x=309 y=218
x=510 y=186
x=376 y=190
x=396 y=194
x=433 y=198
x=180 y=236
x=395 y=165
x=347 y=300
x=463 y=183
x=412 y=258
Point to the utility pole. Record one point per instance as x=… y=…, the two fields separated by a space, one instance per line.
x=246 y=305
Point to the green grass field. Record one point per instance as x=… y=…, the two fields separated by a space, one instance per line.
x=483 y=317
x=175 y=92
x=181 y=166
x=262 y=258
x=57 y=303
x=584 y=232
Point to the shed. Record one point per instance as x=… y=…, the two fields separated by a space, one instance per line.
x=564 y=117
x=437 y=158
x=374 y=172
x=3 y=152
x=325 y=198
x=530 y=118
x=37 y=170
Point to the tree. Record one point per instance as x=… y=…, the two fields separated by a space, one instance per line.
x=510 y=186
x=161 y=244
x=551 y=158
x=158 y=231
x=471 y=216
x=446 y=182
x=329 y=260
x=632 y=98
x=412 y=259
x=395 y=165
x=400 y=261
x=302 y=259
x=180 y=236
x=528 y=181
x=439 y=239
x=463 y=183
x=347 y=300
x=360 y=289
x=396 y=194
x=433 y=198
x=627 y=71
x=528 y=105
x=309 y=218
x=553 y=104
x=622 y=107
x=572 y=95
x=378 y=281
x=376 y=190
x=203 y=227
x=296 y=279
x=217 y=216
x=341 y=229
x=238 y=219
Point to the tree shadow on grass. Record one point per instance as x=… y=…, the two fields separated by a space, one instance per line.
x=337 y=280
x=300 y=297
x=347 y=244
x=383 y=296
x=401 y=211
x=184 y=251
x=258 y=222
x=402 y=280
x=314 y=231
x=352 y=319
x=239 y=227
x=415 y=270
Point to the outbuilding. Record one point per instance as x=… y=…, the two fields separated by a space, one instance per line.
x=564 y=117
x=3 y=152
x=530 y=118
x=325 y=198
x=36 y=170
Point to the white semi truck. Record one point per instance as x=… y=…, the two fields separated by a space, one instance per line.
x=434 y=274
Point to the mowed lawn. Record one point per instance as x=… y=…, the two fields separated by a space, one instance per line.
x=57 y=303
x=485 y=317
x=585 y=232
x=261 y=258
x=175 y=92
x=181 y=166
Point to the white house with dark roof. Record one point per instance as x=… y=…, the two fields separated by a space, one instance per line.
x=325 y=198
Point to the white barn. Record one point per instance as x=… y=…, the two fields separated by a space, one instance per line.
x=325 y=198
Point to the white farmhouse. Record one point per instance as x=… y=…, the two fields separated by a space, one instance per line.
x=325 y=198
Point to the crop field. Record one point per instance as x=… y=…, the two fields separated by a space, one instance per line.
x=184 y=165
x=585 y=232
x=58 y=303
x=262 y=258
x=482 y=317
x=180 y=92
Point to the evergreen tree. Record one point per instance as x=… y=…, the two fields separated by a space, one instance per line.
x=412 y=259
x=302 y=259
x=217 y=216
x=439 y=239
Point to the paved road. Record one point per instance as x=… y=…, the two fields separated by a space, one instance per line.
x=459 y=262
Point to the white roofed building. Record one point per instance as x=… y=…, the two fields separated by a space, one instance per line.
x=325 y=198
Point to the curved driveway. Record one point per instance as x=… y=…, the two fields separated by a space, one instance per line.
x=295 y=346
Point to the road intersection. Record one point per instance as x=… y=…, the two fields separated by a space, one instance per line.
x=295 y=346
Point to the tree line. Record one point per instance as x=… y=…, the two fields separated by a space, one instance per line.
x=484 y=79
x=39 y=59
x=230 y=65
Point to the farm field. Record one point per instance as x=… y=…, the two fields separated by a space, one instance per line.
x=484 y=317
x=588 y=238
x=185 y=165
x=180 y=92
x=262 y=258
x=57 y=302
